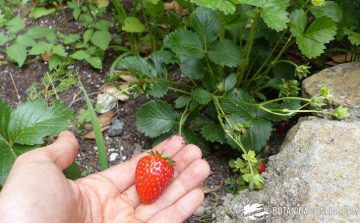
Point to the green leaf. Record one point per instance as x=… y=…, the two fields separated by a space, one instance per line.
x=201 y=95
x=17 y=53
x=101 y=39
x=5 y=111
x=103 y=25
x=7 y=158
x=159 y=88
x=181 y=101
x=353 y=37
x=73 y=172
x=133 y=25
x=185 y=44
x=213 y=133
x=41 y=32
x=40 y=12
x=230 y=82
x=40 y=48
x=206 y=23
x=25 y=127
x=258 y=134
x=194 y=69
x=238 y=105
x=54 y=61
x=226 y=53
x=138 y=66
x=87 y=35
x=59 y=50
x=153 y=1
x=33 y=120
x=4 y=39
x=71 y=38
x=156 y=118
x=312 y=42
x=298 y=22
x=330 y=9
x=274 y=14
x=16 y=24
x=25 y=40
x=96 y=62
x=225 y=6
x=80 y=55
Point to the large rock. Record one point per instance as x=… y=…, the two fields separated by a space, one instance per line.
x=316 y=176
x=343 y=80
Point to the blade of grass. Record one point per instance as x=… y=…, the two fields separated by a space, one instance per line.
x=99 y=138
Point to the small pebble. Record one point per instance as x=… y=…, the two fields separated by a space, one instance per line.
x=124 y=158
x=113 y=157
x=95 y=148
x=117 y=128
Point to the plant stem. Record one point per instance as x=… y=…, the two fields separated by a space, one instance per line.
x=148 y=25
x=222 y=27
x=283 y=99
x=99 y=138
x=248 y=47
x=287 y=61
x=282 y=51
x=67 y=27
x=179 y=90
x=120 y=10
x=182 y=118
x=271 y=53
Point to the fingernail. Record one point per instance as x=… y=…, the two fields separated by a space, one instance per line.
x=173 y=141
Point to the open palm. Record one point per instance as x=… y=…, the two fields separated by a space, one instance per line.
x=37 y=190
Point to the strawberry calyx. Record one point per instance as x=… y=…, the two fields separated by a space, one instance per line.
x=162 y=155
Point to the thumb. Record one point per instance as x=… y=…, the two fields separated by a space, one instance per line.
x=63 y=151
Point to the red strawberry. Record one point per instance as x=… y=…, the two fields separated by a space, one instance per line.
x=261 y=167
x=153 y=174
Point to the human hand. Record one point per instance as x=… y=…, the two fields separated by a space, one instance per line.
x=37 y=190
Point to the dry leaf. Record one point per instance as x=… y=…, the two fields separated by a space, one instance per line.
x=175 y=6
x=207 y=189
x=341 y=58
x=46 y=56
x=102 y=3
x=106 y=101
x=91 y=135
x=105 y=119
x=127 y=77
x=118 y=94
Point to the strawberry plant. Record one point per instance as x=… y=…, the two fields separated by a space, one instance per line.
x=236 y=80
x=24 y=128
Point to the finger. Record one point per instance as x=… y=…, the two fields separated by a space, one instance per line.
x=182 y=159
x=181 y=210
x=189 y=179
x=123 y=175
x=62 y=152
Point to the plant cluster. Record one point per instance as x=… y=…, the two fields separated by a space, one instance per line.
x=236 y=85
x=236 y=56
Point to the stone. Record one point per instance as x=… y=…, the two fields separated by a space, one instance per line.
x=314 y=178
x=113 y=157
x=343 y=80
x=117 y=128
